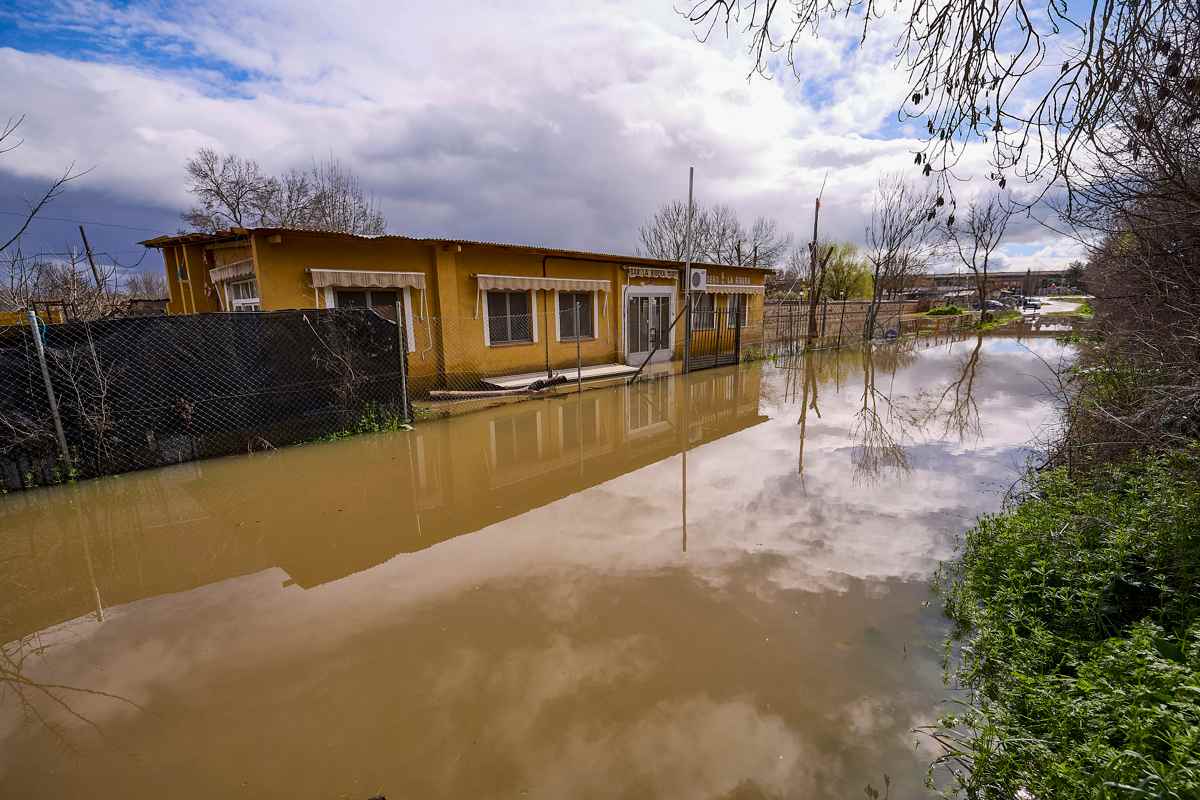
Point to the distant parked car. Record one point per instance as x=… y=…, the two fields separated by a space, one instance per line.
x=1031 y=304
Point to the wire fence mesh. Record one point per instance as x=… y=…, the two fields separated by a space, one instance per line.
x=115 y=395
x=468 y=353
x=786 y=325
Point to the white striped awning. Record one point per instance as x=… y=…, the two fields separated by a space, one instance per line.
x=366 y=279
x=232 y=271
x=524 y=282
x=734 y=288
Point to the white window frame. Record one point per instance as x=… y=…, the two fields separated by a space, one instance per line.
x=331 y=302
x=743 y=309
x=558 y=337
x=242 y=304
x=597 y=428
x=533 y=313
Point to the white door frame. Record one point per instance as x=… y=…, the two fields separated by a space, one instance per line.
x=636 y=359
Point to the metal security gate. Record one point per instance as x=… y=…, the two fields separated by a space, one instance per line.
x=716 y=337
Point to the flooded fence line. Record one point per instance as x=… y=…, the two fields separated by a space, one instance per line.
x=785 y=324
x=84 y=399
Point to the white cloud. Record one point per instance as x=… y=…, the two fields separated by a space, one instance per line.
x=565 y=125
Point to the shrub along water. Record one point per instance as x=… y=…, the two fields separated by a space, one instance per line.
x=944 y=311
x=1077 y=632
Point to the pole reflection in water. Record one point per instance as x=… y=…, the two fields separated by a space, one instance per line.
x=530 y=599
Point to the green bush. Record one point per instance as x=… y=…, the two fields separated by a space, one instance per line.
x=944 y=311
x=1077 y=632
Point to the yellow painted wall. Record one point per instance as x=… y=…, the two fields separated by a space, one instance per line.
x=197 y=295
x=466 y=350
x=177 y=303
x=53 y=316
x=449 y=331
x=284 y=281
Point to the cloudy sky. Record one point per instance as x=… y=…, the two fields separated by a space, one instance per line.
x=556 y=123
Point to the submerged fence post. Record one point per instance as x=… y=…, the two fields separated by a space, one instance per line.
x=402 y=353
x=737 y=333
x=578 y=353
x=41 y=352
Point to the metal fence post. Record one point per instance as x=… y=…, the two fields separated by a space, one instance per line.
x=578 y=353
x=41 y=352
x=737 y=333
x=402 y=353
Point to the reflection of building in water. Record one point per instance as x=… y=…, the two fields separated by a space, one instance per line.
x=327 y=511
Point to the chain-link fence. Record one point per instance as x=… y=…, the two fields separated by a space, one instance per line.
x=786 y=325
x=492 y=350
x=94 y=398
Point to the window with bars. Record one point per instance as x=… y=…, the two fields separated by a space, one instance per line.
x=704 y=315
x=509 y=318
x=243 y=296
x=738 y=305
x=566 y=315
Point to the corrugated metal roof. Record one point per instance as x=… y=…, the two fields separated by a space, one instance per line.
x=196 y=238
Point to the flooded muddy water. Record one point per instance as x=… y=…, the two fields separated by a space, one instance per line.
x=712 y=586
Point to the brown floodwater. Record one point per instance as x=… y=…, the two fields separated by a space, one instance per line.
x=713 y=586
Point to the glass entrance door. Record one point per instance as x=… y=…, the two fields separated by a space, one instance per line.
x=647 y=327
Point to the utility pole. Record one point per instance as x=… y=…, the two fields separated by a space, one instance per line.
x=813 y=281
x=87 y=248
x=687 y=277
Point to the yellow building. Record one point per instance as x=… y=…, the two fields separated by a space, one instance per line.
x=472 y=310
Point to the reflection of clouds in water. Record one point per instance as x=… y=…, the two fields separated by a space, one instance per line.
x=755 y=527
x=694 y=747
x=822 y=530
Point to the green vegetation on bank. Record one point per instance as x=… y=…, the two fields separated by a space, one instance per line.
x=999 y=319
x=945 y=311
x=1077 y=617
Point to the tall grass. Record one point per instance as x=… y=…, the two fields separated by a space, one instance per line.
x=1077 y=634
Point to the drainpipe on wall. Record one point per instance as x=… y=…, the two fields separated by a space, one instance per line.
x=546 y=321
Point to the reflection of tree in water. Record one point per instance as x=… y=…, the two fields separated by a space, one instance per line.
x=30 y=695
x=808 y=400
x=876 y=448
x=955 y=407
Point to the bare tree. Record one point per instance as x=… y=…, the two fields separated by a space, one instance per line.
x=1042 y=86
x=664 y=236
x=767 y=245
x=234 y=192
x=146 y=286
x=287 y=201
x=339 y=202
x=67 y=282
x=718 y=237
x=8 y=143
x=231 y=191
x=975 y=240
x=899 y=240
